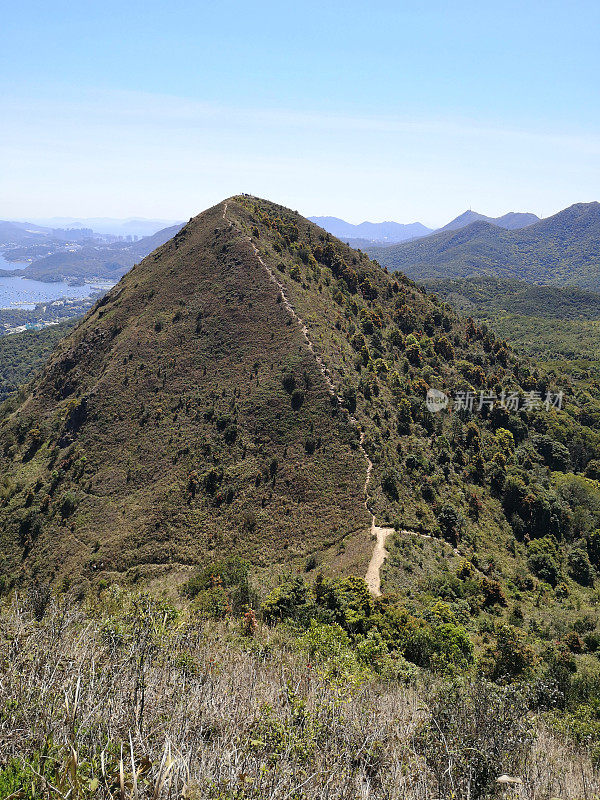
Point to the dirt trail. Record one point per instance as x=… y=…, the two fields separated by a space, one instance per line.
x=373 y=576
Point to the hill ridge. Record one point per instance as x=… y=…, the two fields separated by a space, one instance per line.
x=380 y=534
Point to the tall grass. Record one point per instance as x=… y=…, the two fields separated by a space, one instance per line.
x=128 y=699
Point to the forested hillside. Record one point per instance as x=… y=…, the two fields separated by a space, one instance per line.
x=562 y=250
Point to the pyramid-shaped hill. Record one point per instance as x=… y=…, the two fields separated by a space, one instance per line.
x=244 y=388
x=184 y=417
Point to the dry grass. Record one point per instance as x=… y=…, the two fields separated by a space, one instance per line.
x=139 y=703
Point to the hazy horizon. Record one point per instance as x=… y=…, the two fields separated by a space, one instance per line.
x=58 y=221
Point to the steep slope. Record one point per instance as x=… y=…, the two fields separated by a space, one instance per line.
x=511 y=221
x=561 y=250
x=165 y=424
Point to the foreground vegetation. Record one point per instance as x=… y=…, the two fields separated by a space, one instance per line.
x=125 y=696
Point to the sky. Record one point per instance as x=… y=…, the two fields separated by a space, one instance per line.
x=398 y=110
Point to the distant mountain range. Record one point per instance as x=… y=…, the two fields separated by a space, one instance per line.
x=562 y=250
x=384 y=232
x=133 y=226
x=367 y=234
x=21 y=232
x=51 y=259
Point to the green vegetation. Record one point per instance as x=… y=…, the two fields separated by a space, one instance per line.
x=190 y=421
x=129 y=695
x=561 y=250
x=23 y=354
x=558 y=327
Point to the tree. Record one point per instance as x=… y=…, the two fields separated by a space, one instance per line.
x=404 y=416
x=542 y=558
x=510 y=657
x=580 y=567
x=443 y=348
x=450 y=522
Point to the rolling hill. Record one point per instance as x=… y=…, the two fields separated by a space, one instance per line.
x=561 y=250
x=93 y=261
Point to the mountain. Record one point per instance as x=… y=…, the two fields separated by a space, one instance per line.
x=374 y=232
x=19 y=233
x=556 y=326
x=147 y=244
x=561 y=250
x=508 y=295
x=510 y=221
x=254 y=387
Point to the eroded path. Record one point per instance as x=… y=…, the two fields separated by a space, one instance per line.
x=373 y=576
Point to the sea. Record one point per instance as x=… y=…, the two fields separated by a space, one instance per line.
x=18 y=292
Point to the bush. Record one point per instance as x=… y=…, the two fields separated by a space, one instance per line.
x=288 y=382
x=542 y=558
x=231 y=575
x=474 y=733
x=580 y=567
x=450 y=522
x=443 y=647
x=510 y=657
x=286 y=600
x=297 y=399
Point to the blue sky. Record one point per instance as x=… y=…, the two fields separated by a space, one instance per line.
x=404 y=110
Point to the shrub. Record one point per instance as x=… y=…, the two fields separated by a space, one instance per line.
x=285 y=600
x=297 y=399
x=492 y=593
x=230 y=574
x=510 y=657
x=542 y=558
x=443 y=348
x=450 y=522
x=390 y=485
x=443 y=647
x=350 y=601
x=474 y=733
x=580 y=567
x=288 y=382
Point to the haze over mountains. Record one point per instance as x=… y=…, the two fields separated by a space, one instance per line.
x=132 y=226
x=371 y=231
x=74 y=253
